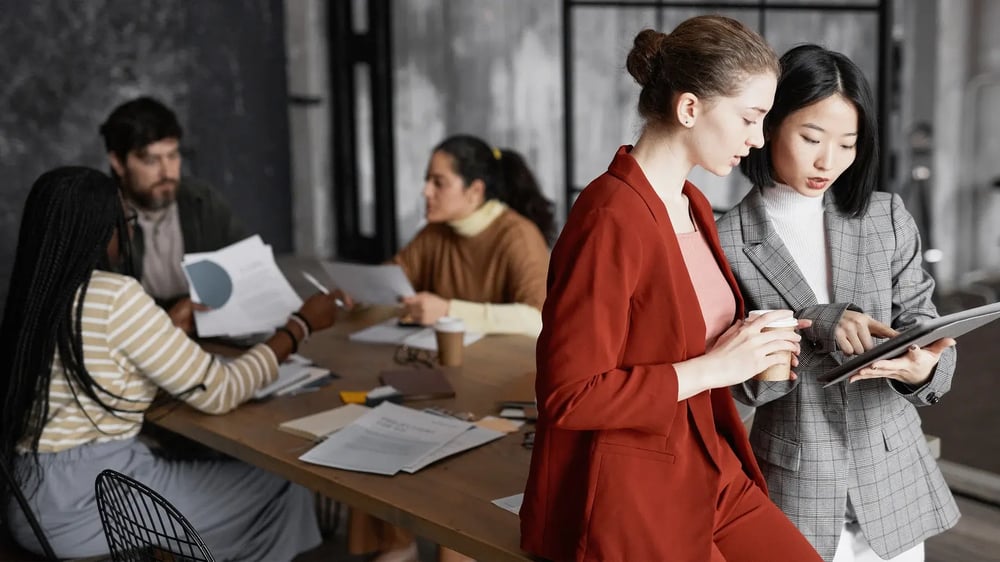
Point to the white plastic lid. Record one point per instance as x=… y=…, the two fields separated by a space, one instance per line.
x=753 y=313
x=449 y=324
x=783 y=323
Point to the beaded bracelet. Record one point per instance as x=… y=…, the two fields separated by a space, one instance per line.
x=306 y=328
x=295 y=341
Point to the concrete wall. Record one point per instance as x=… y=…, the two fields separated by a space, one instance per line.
x=494 y=68
x=490 y=68
x=220 y=65
x=309 y=127
x=967 y=145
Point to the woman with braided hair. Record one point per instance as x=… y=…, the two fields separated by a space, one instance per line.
x=83 y=352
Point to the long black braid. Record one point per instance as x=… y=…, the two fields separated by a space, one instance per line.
x=69 y=220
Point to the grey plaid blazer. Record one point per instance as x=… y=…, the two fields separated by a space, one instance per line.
x=815 y=445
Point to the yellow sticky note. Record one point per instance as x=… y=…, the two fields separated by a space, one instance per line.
x=499 y=424
x=353 y=396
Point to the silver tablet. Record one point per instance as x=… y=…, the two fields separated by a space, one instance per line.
x=923 y=333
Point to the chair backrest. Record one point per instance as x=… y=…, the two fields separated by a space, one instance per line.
x=141 y=525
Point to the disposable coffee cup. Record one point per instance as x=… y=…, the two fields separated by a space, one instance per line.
x=782 y=371
x=450 y=335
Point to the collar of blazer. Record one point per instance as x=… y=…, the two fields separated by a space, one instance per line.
x=764 y=248
x=625 y=168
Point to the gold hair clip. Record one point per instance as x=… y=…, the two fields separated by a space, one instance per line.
x=496 y=153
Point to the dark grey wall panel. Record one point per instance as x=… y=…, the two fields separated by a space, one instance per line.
x=220 y=65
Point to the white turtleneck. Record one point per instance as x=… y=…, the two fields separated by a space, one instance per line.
x=800 y=224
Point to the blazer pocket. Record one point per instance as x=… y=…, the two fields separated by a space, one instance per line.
x=901 y=430
x=629 y=451
x=776 y=450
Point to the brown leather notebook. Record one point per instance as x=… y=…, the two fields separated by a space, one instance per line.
x=419 y=384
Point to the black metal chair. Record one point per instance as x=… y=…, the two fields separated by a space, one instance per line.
x=141 y=525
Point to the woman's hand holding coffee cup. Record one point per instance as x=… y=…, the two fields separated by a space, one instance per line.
x=778 y=321
x=740 y=353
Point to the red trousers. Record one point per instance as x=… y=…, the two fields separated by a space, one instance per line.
x=750 y=528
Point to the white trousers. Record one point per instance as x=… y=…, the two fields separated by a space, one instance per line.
x=853 y=547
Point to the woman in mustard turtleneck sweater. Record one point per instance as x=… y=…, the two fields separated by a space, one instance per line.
x=483 y=255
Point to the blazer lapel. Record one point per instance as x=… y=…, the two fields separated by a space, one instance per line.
x=692 y=319
x=846 y=250
x=765 y=250
x=625 y=168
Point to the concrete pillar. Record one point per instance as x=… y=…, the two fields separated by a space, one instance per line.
x=309 y=123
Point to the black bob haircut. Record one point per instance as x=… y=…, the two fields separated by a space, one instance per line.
x=810 y=73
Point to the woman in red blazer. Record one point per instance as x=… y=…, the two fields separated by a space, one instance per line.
x=640 y=454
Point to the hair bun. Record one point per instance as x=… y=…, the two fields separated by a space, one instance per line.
x=644 y=58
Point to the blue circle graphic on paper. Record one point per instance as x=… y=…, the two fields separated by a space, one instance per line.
x=212 y=283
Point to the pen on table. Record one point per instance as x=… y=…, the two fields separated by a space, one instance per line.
x=303 y=390
x=315 y=283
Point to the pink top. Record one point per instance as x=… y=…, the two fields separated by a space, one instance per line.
x=718 y=305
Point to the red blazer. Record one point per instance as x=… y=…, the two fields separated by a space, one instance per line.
x=620 y=469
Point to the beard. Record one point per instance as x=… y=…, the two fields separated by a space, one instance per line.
x=154 y=198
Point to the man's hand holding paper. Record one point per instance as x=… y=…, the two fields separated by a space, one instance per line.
x=243 y=286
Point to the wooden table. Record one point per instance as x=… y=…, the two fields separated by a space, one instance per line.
x=449 y=502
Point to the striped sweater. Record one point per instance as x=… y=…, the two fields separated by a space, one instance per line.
x=131 y=348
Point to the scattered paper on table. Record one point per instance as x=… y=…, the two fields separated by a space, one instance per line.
x=292 y=373
x=511 y=503
x=384 y=332
x=425 y=339
x=385 y=440
x=390 y=332
x=470 y=439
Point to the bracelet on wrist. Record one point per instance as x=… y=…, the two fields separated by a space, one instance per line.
x=303 y=323
x=295 y=341
x=304 y=320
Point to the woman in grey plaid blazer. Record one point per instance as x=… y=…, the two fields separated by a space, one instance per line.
x=848 y=464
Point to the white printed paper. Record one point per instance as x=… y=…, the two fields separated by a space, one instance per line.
x=390 y=332
x=370 y=284
x=511 y=503
x=385 y=440
x=243 y=284
x=470 y=439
